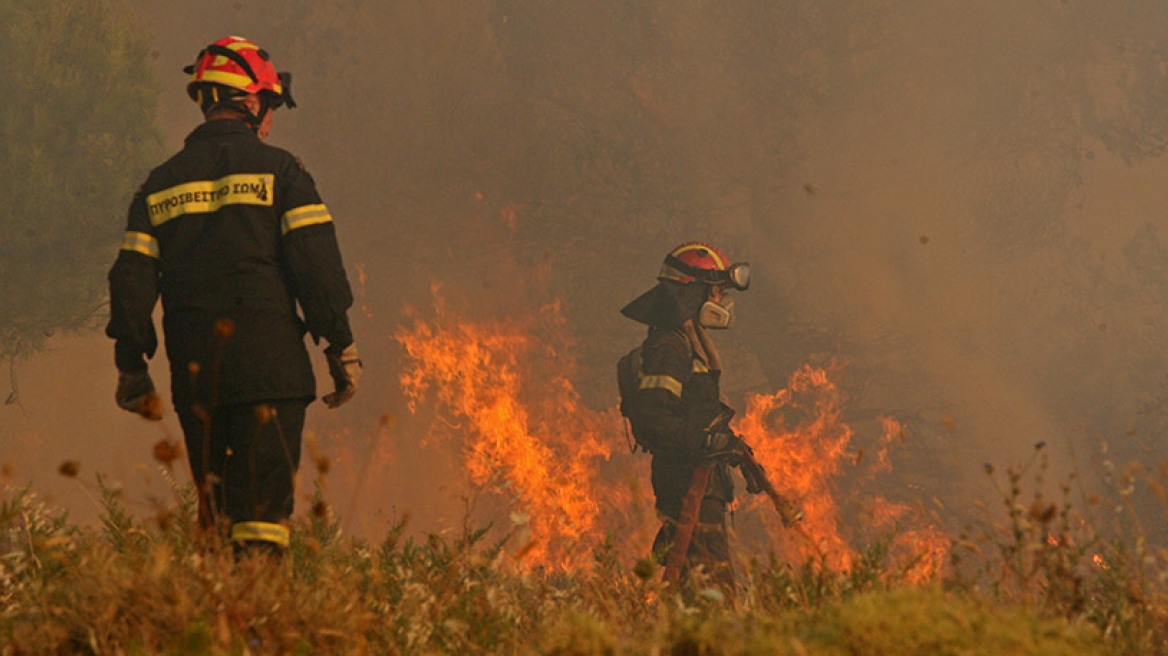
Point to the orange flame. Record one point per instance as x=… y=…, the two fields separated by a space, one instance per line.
x=799 y=436
x=892 y=430
x=526 y=436
x=503 y=395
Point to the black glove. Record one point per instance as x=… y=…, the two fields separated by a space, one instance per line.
x=724 y=443
x=136 y=394
x=754 y=479
x=345 y=368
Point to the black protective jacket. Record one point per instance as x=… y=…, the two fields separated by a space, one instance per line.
x=233 y=235
x=677 y=401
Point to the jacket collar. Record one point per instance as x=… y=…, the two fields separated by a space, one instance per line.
x=220 y=127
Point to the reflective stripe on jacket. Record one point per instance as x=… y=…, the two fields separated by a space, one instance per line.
x=678 y=398
x=232 y=234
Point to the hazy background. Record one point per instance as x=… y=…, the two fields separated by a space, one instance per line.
x=961 y=201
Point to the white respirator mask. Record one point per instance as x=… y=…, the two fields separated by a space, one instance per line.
x=717 y=315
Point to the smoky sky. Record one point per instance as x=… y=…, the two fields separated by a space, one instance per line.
x=961 y=203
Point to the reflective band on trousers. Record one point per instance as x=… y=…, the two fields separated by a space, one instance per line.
x=260 y=532
x=140 y=242
x=304 y=216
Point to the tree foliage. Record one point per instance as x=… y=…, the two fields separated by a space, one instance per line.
x=77 y=132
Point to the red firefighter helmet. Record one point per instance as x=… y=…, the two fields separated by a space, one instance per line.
x=242 y=67
x=697 y=261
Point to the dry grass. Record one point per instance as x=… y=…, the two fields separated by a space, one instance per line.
x=1027 y=581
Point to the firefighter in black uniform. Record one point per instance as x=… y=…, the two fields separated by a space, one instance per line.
x=675 y=407
x=233 y=235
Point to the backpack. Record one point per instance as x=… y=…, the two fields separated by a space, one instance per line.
x=628 y=379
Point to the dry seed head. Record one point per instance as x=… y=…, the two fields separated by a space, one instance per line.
x=1135 y=593
x=645 y=569
x=1043 y=514
x=264 y=413
x=69 y=468
x=224 y=328
x=166 y=451
x=150 y=407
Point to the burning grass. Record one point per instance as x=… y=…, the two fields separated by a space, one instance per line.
x=565 y=572
x=155 y=587
x=501 y=393
x=1035 y=577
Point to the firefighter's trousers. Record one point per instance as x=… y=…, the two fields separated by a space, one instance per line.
x=709 y=547
x=244 y=459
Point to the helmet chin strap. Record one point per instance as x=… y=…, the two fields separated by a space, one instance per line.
x=254 y=121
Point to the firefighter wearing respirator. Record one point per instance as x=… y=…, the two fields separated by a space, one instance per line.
x=670 y=394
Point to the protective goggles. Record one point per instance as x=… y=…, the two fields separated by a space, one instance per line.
x=737 y=275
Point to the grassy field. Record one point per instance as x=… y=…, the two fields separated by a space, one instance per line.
x=1040 y=581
